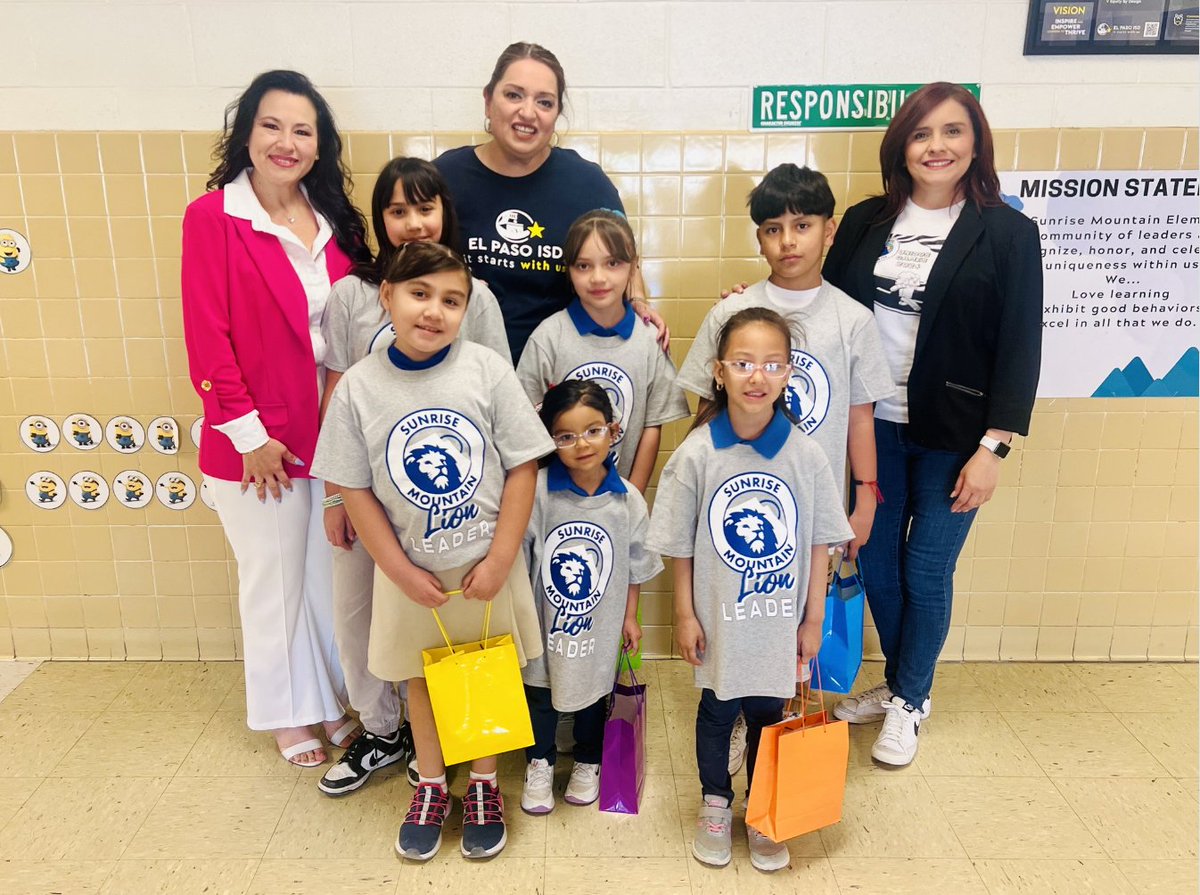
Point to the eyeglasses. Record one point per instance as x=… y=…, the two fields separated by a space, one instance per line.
x=746 y=369
x=593 y=436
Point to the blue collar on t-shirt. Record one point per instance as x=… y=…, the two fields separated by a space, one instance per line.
x=768 y=444
x=404 y=362
x=585 y=325
x=558 y=478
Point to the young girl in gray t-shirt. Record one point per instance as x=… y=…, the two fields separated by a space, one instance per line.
x=748 y=507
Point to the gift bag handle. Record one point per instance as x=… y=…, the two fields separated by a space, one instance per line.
x=806 y=696
x=487 y=620
x=625 y=658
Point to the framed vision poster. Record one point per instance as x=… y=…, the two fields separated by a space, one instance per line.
x=1101 y=27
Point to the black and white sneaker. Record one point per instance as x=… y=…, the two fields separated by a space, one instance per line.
x=363 y=757
x=896 y=744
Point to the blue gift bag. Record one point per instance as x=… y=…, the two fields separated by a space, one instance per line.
x=842 y=634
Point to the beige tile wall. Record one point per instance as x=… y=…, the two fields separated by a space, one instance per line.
x=1088 y=551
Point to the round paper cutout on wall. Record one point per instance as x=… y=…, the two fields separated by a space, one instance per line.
x=196 y=429
x=124 y=435
x=164 y=434
x=132 y=489
x=206 y=496
x=6 y=548
x=83 y=431
x=175 y=490
x=46 y=490
x=88 y=489
x=15 y=254
x=39 y=433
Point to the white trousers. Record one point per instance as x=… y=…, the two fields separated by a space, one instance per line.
x=376 y=701
x=285 y=597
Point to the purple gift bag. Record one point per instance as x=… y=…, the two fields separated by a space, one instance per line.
x=623 y=764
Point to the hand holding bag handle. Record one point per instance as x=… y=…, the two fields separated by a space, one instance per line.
x=487 y=620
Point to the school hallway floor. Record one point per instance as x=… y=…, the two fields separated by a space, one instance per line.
x=142 y=779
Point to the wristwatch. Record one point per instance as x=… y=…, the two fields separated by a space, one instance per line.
x=996 y=446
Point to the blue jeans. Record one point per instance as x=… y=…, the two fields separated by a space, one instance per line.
x=908 y=563
x=714 y=728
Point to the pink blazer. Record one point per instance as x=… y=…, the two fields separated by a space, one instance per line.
x=245 y=324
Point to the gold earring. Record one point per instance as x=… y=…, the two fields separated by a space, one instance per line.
x=554 y=140
x=720 y=386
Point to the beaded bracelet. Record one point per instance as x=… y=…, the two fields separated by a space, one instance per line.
x=333 y=501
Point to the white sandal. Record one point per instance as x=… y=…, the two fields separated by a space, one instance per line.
x=291 y=752
x=342 y=736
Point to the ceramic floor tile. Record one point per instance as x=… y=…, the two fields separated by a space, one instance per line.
x=14 y=793
x=179 y=687
x=955 y=689
x=12 y=673
x=681 y=735
x=1013 y=817
x=505 y=874
x=133 y=744
x=585 y=831
x=72 y=686
x=1077 y=744
x=877 y=821
x=1032 y=687
x=804 y=876
x=212 y=817
x=1192 y=785
x=806 y=846
x=1052 y=878
x=83 y=819
x=361 y=826
x=227 y=747
x=965 y=744
x=1133 y=687
x=954 y=875
x=1161 y=877
x=33 y=742
x=1136 y=818
x=587 y=876
x=346 y=876
x=216 y=877
x=1169 y=737
x=1189 y=670
x=47 y=877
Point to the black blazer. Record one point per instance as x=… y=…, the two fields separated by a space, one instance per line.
x=979 y=342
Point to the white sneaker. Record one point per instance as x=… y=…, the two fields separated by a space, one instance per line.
x=765 y=853
x=868 y=706
x=897 y=740
x=713 y=843
x=584 y=786
x=737 y=745
x=537 y=796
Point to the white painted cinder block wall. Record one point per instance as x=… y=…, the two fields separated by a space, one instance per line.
x=639 y=66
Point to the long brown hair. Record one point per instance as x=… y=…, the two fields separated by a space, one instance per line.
x=611 y=228
x=525 y=50
x=743 y=318
x=980 y=184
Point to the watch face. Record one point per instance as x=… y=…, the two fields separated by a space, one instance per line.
x=1001 y=450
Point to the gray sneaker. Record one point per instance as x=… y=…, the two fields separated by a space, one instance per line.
x=765 y=853
x=713 y=844
x=867 y=706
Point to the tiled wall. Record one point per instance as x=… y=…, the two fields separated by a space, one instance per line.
x=1088 y=550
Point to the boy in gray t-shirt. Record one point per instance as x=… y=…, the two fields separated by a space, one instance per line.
x=838 y=366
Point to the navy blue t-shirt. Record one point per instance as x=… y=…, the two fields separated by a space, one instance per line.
x=514 y=229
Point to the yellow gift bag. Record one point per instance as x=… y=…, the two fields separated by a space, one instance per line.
x=477 y=695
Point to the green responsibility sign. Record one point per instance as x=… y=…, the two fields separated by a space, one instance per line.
x=805 y=106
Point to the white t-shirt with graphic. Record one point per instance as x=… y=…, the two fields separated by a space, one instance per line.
x=901 y=273
x=583 y=553
x=434 y=446
x=837 y=360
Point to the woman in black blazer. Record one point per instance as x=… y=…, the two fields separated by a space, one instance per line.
x=954 y=278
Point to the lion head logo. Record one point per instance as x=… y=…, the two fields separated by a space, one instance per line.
x=750 y=531
x=572 y=574
x=437 y=464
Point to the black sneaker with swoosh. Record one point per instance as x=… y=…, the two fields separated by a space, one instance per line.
x=363 y=757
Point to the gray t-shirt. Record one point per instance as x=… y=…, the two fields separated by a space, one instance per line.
x=583 y=553
x=635 y=372
x=749 y=523
x=837 y=361
x=433 y=445
x=355 y=323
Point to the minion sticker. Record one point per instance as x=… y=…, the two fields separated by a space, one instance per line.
x=6 y=548
x=175 y=490
x=40 y=433
x=88 y=489
x=14 y=252
x=164 y=435
x=132 y=489
x=46 y=490
x=206 y=496
x=124 y=434
x=83 y=432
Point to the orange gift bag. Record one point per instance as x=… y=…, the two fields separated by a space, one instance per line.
x=800 y=773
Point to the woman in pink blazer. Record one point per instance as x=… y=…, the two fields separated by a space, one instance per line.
x=260 y=253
